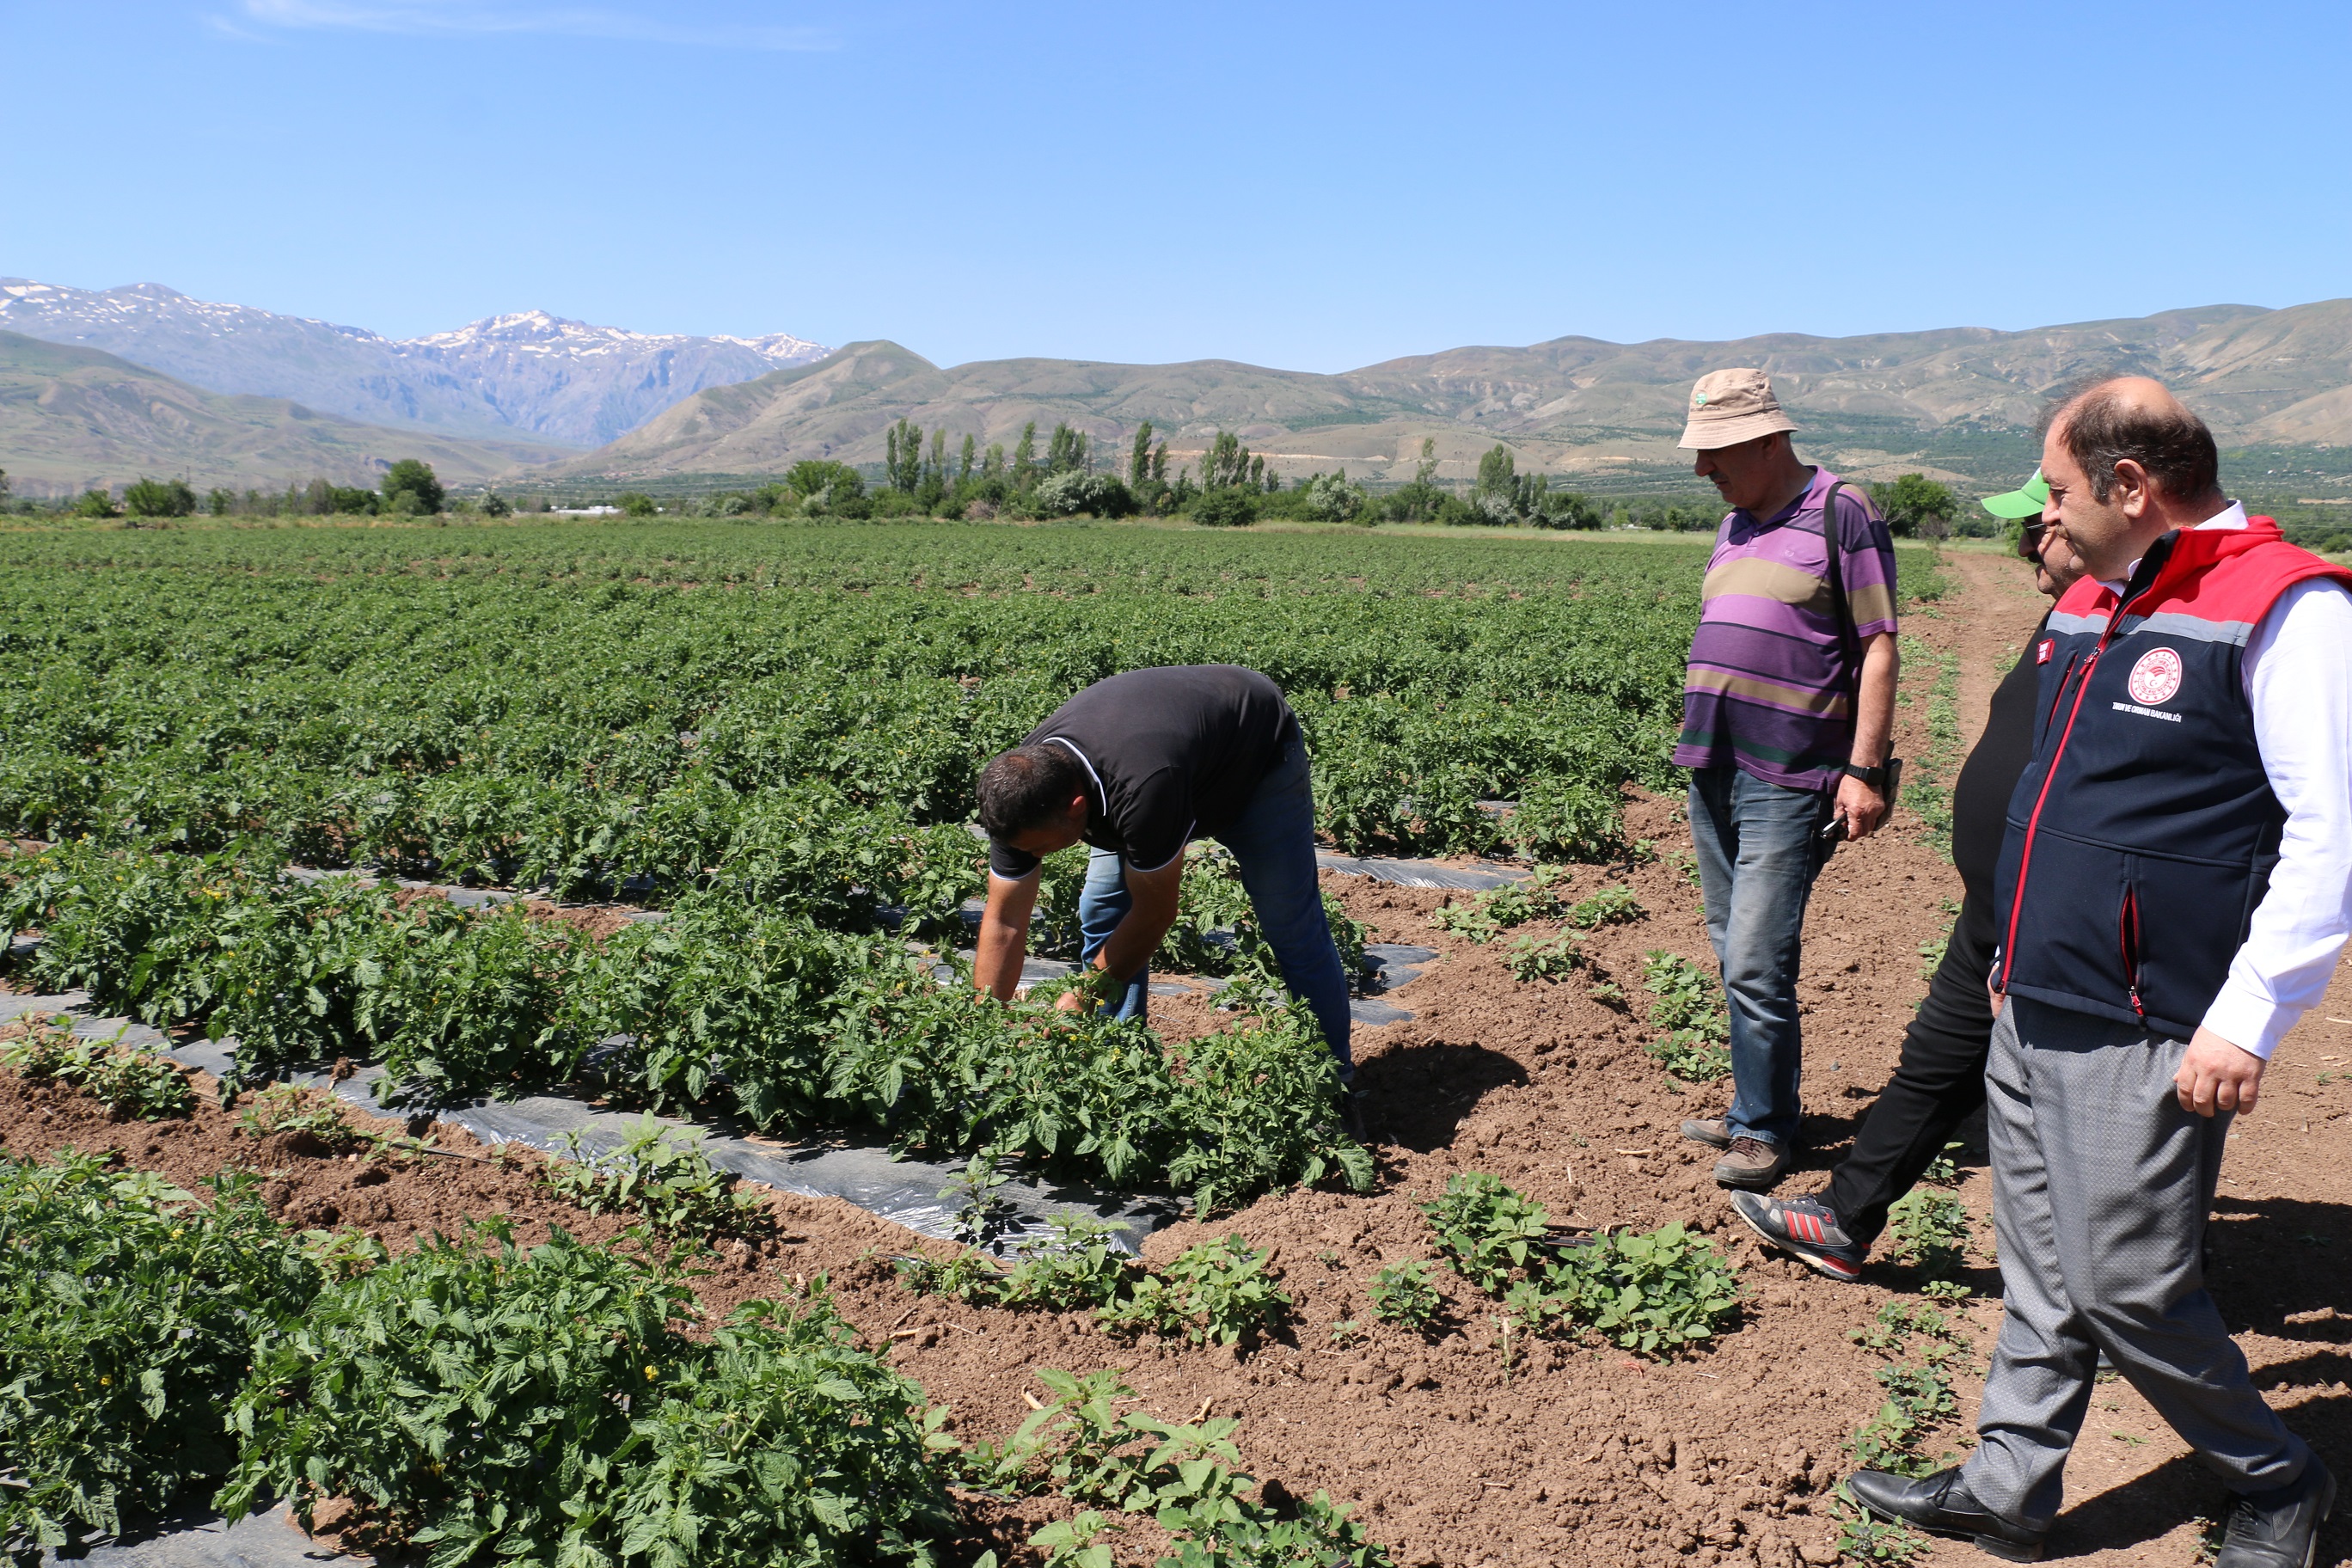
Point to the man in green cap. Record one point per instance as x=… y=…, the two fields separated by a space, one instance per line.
x=1939 y=1081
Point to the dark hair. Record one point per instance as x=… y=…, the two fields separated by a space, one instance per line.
x=1026 y=787
x=2105 y=426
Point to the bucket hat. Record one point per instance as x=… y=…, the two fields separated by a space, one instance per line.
x=1728 y=406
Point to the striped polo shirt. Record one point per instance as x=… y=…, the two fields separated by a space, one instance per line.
x=1766 y=691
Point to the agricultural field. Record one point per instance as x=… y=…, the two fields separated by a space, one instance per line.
x=1514 y=1328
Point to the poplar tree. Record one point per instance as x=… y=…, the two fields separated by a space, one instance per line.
x=1139 y=456
x=1024 y=458
x=963 y=467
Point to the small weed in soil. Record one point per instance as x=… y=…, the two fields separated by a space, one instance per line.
x=132 y=1084
x=1218 y=1290
x=1608 y=906
x=660 y=1172
x=291 y=1108
x=1864 y=1539
x=980 y=1215
x=1082 y=1448
x=1555 y=957
x=1689 y=1006
x=1941 y=1171
x=1655 y=1293
x=1920 y=1398
x=1929 y=1231
x=1402 y=1294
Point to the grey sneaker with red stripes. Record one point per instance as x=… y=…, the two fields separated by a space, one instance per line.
x=1804 y=1227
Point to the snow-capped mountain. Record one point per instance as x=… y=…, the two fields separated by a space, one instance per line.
x=530 y=375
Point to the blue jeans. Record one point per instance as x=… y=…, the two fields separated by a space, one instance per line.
x=1273 y=845
x=1759 y=847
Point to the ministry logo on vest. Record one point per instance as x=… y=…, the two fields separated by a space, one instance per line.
x=2156 y=676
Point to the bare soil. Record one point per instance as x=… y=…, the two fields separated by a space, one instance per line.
x=1564 y=1454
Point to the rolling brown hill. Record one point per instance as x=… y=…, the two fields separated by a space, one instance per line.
x=1955 y=401
x=72 y=418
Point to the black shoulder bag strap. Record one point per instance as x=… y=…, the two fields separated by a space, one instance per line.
x=1849 y=638
x=1834 y=549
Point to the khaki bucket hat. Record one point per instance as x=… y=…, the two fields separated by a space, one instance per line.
x=1728 y=406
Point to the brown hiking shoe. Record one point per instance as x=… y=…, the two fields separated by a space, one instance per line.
x=1710 y=1131
x=1752 y=1163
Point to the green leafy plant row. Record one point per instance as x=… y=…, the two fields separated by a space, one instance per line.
x=550 y=1406
x=129 y=1312
x=1656 y=1293
x=132 y=1083
x=1696 y=1048
x=727 y=1006
x=1082 y=1446
x=1218 y=1290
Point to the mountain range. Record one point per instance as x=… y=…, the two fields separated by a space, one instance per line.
x=524 y=377
x=1956 y=403
x=167 y=383
x=73 y=418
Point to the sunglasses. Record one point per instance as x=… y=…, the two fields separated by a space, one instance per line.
x=2029 y=540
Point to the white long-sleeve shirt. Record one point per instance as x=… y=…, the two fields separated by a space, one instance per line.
x=2298 y=676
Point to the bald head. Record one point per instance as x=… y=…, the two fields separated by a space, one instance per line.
x=2126 y=463
x=2136 y=419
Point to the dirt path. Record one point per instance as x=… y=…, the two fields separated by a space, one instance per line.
x=1561 y=1455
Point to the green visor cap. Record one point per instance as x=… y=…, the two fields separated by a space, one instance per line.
x=2026 y=501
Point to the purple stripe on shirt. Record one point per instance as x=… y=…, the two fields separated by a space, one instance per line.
x=1770 y=624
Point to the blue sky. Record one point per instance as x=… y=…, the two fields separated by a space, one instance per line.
x=1310 y=186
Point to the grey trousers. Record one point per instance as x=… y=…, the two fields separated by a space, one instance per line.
x=2101 y=1187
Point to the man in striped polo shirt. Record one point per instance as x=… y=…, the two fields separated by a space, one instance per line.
x=1787 y=712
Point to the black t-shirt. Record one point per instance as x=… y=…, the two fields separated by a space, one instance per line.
x=1169 y=755
x=1980 y=795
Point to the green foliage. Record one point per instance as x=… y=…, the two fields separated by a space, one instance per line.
x=812 y=477
x=549 y=1407
x=128 y=1314
x=1230 y=506
x=1865 y=1537
x=1492 y=1233
x=1915 y=504
x=659 y=1173
x=159 y=497
x=1689 y=1006
x=92 y=503
x=132 y=1083
x=1608 y=906
x=1555 y=957
x=766 y=1015
x=636 y=503
x=496 y=505
x=1218 y=1290
x=1656 y=1293
x=311 y=1113
x=1920 y=1398
x=410 y=486
x=1929 y=1231
x=1081 y=1445
x=1403 y=1294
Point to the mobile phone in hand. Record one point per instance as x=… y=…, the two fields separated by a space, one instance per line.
x=1836 y=832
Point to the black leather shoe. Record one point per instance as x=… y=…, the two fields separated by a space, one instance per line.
x=1940 y=1503
x=2280 y=1528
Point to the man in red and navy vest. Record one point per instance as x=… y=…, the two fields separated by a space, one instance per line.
x=2174 y=891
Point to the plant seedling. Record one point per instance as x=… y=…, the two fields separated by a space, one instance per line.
x=1403 y=1294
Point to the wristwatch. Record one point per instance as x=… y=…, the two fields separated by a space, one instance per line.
x=1874 y=777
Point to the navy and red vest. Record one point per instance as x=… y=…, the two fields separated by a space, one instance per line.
x=2142 y=835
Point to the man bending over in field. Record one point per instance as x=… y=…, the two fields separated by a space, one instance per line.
x=1137 y=766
